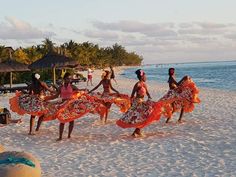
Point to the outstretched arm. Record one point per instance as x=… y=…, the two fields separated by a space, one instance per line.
x=112 y=87
x=74 y=88
x=46 y=87
x=95 y=88
x=51 y=97
x=184 y=78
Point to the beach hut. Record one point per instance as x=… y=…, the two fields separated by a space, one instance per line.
x=53 y=60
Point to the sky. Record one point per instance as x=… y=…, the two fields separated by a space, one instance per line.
x=161 y=31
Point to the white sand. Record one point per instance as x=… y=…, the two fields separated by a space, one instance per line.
x=204 y=145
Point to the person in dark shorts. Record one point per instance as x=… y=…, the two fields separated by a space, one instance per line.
x=112 y=77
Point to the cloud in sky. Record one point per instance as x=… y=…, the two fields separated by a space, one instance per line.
x=17 y=29
x=156 y=42
x=174 y=41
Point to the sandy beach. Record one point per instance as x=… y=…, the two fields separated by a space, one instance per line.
x=203 y=145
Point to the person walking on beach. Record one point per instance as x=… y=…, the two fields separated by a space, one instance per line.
x=112 y=74
x=90 y=76
x=107 y=87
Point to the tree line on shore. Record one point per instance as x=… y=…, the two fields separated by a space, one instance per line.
x=85 y=53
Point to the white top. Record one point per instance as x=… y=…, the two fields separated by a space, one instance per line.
x=90 y=71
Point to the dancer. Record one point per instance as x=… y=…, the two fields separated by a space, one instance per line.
x=107 y=98
x=141 y=112
x=38 y=88
x=66 y=91
x=107 y=87
x=185 y=94
x=31 y=103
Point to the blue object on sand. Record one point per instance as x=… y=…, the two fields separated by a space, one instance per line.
x=15 y=160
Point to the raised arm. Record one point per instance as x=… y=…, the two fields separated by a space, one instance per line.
x=44 y=85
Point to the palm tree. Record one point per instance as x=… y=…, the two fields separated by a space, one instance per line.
x=48 y=46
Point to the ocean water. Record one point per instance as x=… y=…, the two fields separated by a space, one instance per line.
x=219 y=75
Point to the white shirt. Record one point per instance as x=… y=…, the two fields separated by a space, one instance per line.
x=90 y=71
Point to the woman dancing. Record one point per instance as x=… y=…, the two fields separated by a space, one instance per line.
x=185 y=93
x=66 y=91
x=141 y=113
x=33 y=102
x=107 y=87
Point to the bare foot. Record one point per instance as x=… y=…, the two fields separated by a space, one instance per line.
x=59 y=139
x=167 y=121
x=180 y=121
x=137 y=133
x=31 y=133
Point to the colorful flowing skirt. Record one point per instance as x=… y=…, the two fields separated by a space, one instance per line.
x=120 y=100
x=38 y=106
x=27 y=104
x=78 y=107
x=140 y=114
x=182 y=97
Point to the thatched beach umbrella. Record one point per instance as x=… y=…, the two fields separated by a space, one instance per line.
x=11 y=65
x=52 y=60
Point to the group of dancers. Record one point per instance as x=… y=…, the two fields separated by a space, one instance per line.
x=73 y=103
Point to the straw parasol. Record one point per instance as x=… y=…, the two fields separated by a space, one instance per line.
x=11 y=65
x=52 y=60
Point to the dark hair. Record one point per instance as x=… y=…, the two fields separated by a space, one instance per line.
x=138 y=72
x=107 y=73
x=170 y=69
x=36 y=84
x=66 y=75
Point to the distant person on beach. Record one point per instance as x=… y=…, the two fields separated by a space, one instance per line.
x=112 y=74
x=107 y=87
x=173 y=84
x=90 y=76
x=38 y=88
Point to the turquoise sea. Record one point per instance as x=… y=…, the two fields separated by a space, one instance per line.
x=219 y=75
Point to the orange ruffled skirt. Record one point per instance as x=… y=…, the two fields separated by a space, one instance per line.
x=185 y=96
x=120 y=100
x=78 y=107
x=140 y=114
